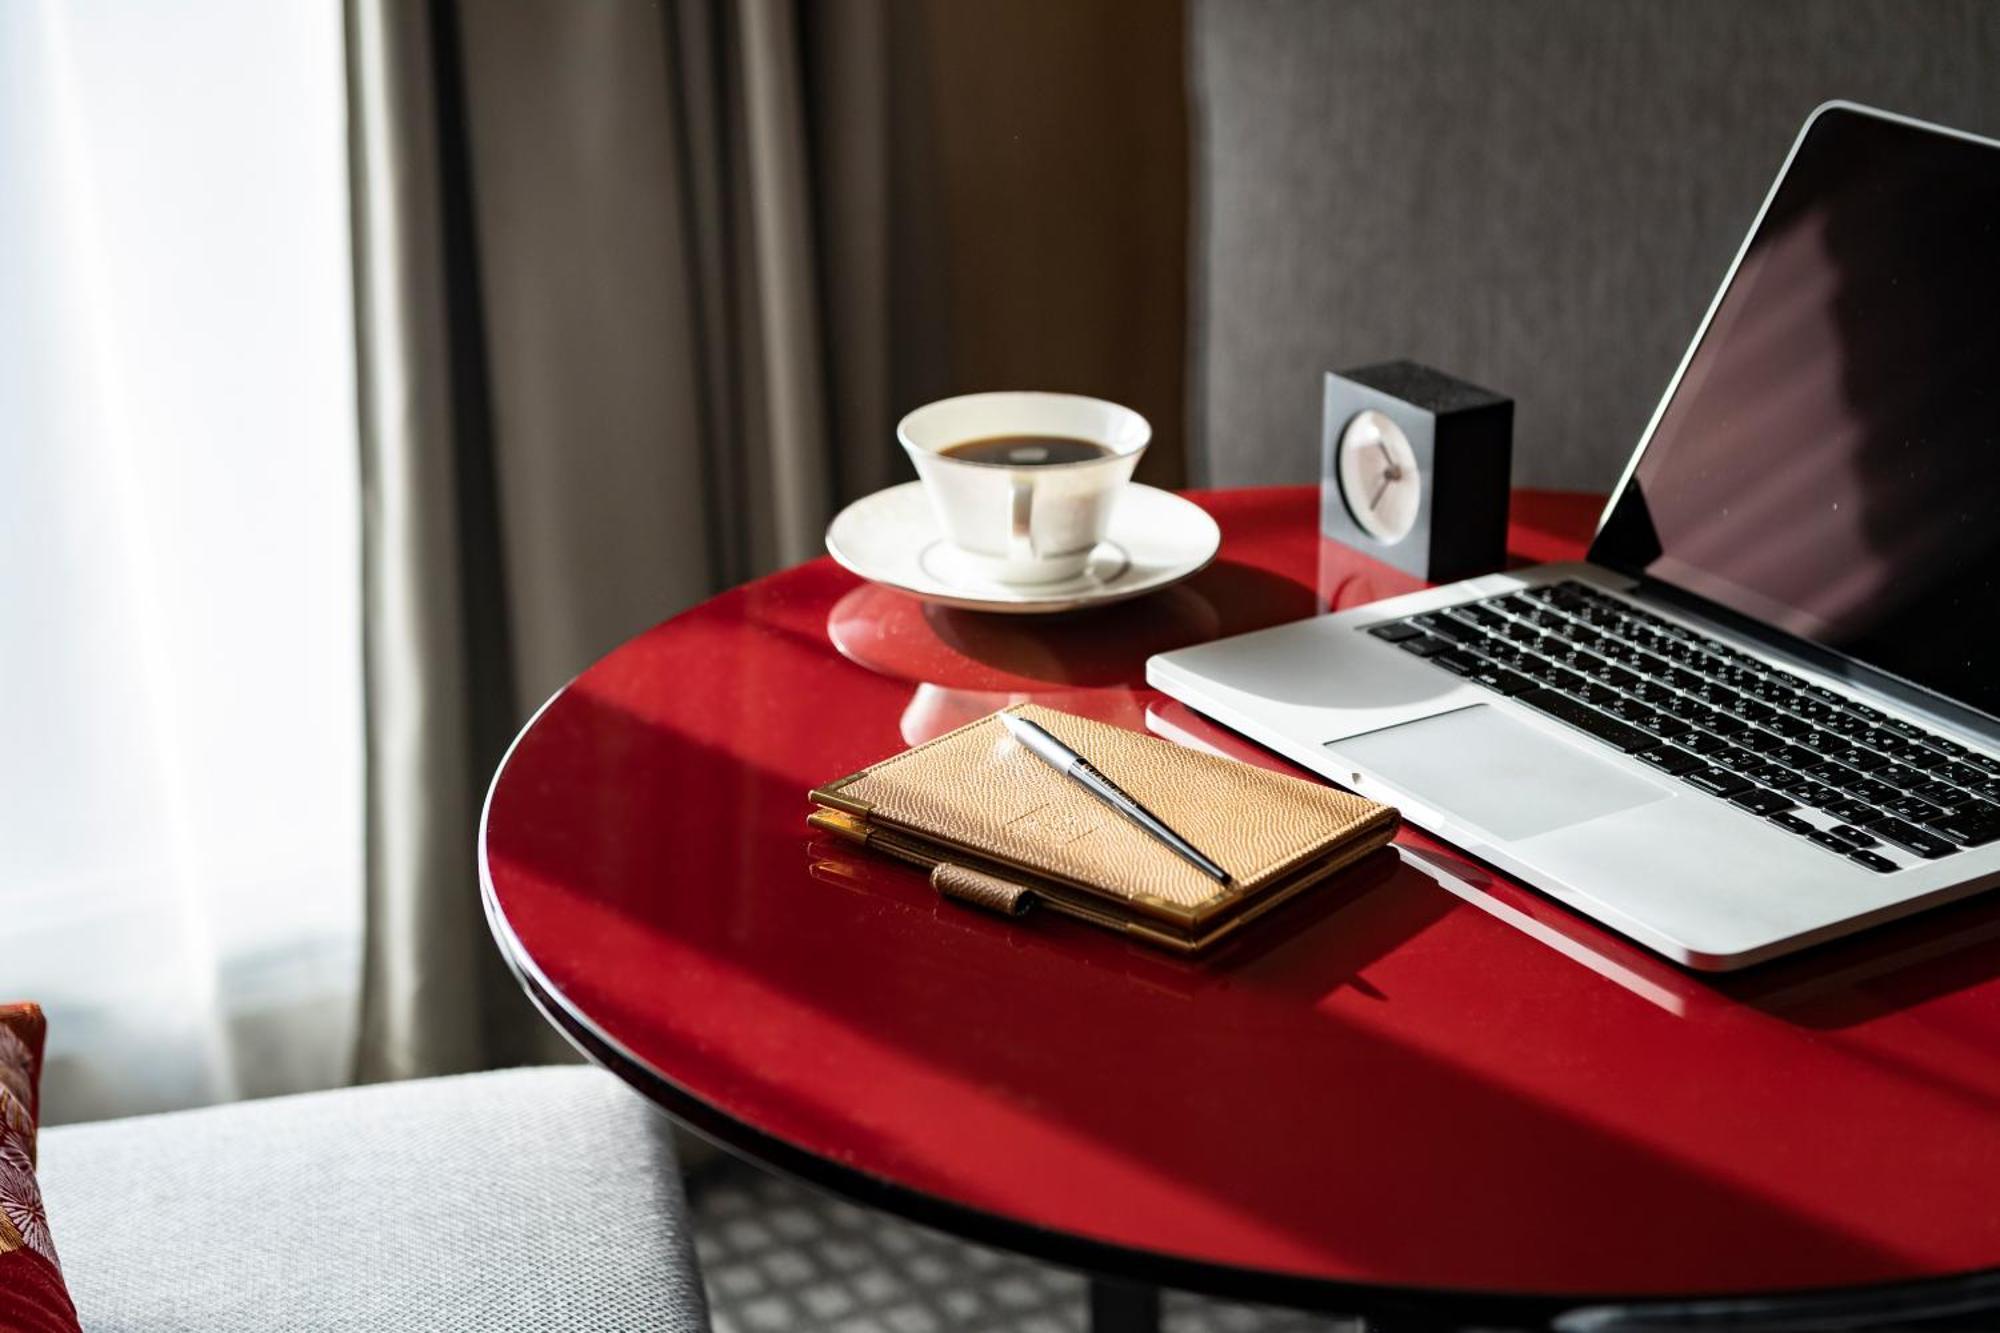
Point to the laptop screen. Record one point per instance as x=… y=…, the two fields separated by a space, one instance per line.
x=1829 y=464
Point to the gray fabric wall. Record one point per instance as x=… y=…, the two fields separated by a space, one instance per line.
x=1537 y=195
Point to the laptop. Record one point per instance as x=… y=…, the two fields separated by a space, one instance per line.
x=1765 y=710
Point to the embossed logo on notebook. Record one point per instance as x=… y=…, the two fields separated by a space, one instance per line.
x=1055 y=827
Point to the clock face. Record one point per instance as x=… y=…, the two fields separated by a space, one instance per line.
x=1379 y=477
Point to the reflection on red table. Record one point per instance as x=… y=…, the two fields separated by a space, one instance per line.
x=1422 y=1075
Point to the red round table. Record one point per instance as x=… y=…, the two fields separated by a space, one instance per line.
x=1420 y=1088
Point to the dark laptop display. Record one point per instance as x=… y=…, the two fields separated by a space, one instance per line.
x=1829 y=464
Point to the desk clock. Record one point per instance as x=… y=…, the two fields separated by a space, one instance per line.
x=1414 y=469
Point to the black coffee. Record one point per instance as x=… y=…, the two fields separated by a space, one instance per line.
x=1026 y=450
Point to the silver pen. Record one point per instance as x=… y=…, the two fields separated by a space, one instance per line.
x=1078 y=770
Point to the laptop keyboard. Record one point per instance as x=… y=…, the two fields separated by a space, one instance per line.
x=1771 y=743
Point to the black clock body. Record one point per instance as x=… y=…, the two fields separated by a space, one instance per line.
x=1462 y=436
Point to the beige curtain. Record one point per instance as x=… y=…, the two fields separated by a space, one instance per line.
x=640 y=290
x=594 y=389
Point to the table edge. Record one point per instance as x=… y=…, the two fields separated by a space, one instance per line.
x=1457 y=1306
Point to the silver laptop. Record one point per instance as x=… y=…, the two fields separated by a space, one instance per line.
x=1766 y=711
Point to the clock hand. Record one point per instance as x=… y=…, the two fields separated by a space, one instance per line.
x=1383 y=489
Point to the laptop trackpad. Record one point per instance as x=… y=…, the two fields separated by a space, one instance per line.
x=1486 y=768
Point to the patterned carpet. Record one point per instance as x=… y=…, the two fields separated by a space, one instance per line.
x=778 y=1257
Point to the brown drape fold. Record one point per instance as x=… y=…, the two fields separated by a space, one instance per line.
x=593 y=391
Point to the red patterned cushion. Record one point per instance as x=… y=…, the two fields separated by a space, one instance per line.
x=32 y=1296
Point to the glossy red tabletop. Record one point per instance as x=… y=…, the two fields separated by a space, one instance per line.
x=1419 y=1076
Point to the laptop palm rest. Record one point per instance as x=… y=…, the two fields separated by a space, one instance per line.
x=1501 y=775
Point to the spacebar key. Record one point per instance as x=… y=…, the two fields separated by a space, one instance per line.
x=1585 y=718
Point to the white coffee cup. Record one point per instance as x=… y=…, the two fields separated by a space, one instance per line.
x=1024 y=524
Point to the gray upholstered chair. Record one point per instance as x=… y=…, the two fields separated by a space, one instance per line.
x=1537 y=195
x=527 y=1199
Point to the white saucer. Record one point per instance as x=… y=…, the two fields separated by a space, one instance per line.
x=892 y=538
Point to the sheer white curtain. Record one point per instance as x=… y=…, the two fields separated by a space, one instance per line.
x=180 y=687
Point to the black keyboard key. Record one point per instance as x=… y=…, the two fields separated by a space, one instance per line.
x=1573 y=658
x=1828 y=841
x=1875 y=861
x=1763 y=742
x=1910 y=838
x=1456 y=662
x=1673 y=761
x=1797 y=756
x=1941 y=794
x=1502 y=681
x=1959 y=772
x=1539 y=669
x=1791 y=728
x=1663 y=725
x=1899 y=775
x=1427 y=646
x=1702 y=742
x=1725 y=724
x=1849 y=809
x=1790 y=823
x=1716 y=781
x=1865 y=761
x=1907 y=751
x=1846 y=724
x=1439 y=623
x=1873 y=792
x=1734 y=757
x=1610 y=730
x=1972 y=826
x=1715 y=694
x=1773 y=692
x=1646 y=664
x=1616 y=677
x=1761 y=801
x=1396 y=631
x=1823 y=742
x=1481 y=616
x=1912 y=807
x=1750 y=710
x=1852 y=836
x=1768 y=773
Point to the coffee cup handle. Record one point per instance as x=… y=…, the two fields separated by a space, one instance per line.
x=1020 y=528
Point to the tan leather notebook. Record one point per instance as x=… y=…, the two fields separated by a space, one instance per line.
x=1000 y=829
